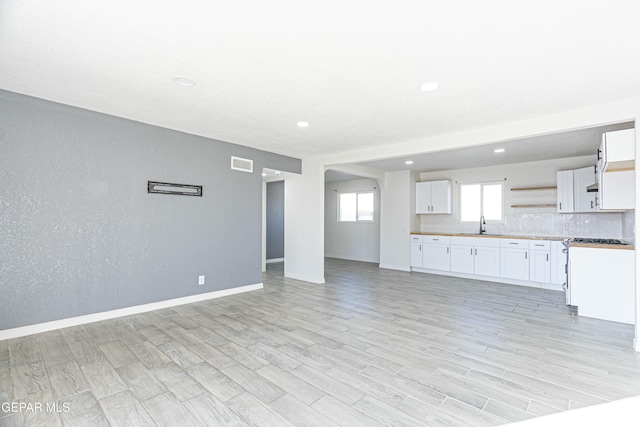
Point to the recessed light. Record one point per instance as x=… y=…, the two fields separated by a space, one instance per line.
x=499 y=150
x=264 y=174
x=184 y=81
x=408 y=162
x=303 y=124
x=429 y=86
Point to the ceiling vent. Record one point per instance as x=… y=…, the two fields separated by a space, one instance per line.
x=240 y=164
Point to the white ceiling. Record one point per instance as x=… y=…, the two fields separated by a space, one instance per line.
x=352 y=69
x=583 y=142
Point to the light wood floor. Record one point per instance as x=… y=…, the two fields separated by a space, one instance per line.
x=371 y=347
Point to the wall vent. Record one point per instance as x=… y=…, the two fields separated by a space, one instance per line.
x=240 y=164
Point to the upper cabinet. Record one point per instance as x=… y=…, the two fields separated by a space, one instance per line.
x=616 y=170
x=617 y=151
x=565 y=191
x=433 y=197
x=584 y=201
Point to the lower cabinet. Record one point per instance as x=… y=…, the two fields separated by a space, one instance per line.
x=416 y=251
x=540 y=261
x=436 y=253
x=558 y=263
x=519 y=260
x=514 y=255
x=462 y=259
x=475 y=255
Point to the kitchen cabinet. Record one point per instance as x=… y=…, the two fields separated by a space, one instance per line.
x=514 y=263
x=558 y=263
x=462 y=258
x=565 y=191
x=617 y=190
x=416 y=251
x=475 y=255
x=540 y=261
x=433 y=197
x=602 y=283
x=435 y=253
x=584 y=201
x=617 y=150
x=616 y=170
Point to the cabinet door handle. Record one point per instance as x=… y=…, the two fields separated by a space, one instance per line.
x=537 y=244
x=592 y=204
x=420 y=248
x=560 y=205
x=513 y=243
x=435 y=240
x=476 y=252
x=447 y=249
x=547 y=257
x=525 y=255
x=471 y=251
x=599 y=157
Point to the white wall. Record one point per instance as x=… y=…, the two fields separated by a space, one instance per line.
x=525 y=221
x=358 y=241
x=304 y=224
x=396 y=217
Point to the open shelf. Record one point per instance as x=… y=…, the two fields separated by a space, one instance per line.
x=536 y=205
x=534 y=188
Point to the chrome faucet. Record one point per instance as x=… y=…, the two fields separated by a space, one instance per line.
x=482 y=225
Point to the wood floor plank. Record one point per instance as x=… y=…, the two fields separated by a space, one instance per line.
x=470 y=414
x=343 y=414
x=166 y=410
x=84 y=410
x=385 y=414
x=217 y=383
x=141 y=381
x=291 y=384
x=103 y=379
x=256 y=413
x=274 y=356
x=123 y=409
x=258 y=386
x=67 y=379
x=329 y=385
x=180 y=354
x=178 y=381
x=118 y=353
x=300 y=414
x=243 y=356
x=30 y=379
x=148 y=354
x=211 y=412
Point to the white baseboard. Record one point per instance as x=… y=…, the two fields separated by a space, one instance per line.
x=304 y=278
x=269 y=261
x=549 y=286
x=348 y=258
x=394 y=267
x=105 y=315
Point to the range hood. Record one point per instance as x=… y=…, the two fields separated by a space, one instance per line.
x=593 y=188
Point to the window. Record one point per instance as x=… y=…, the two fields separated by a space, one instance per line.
x=355 y=207
x=478 y=200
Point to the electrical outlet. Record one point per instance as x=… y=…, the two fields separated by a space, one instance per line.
x=565 y=226
x=200 y=280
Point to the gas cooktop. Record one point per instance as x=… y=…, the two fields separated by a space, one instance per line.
x=599 y=241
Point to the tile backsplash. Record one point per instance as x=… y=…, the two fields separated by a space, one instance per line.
x=597 y=225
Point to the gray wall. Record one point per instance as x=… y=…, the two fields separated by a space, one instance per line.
x=359 y=241
x=275 y=220
x=78 y=232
